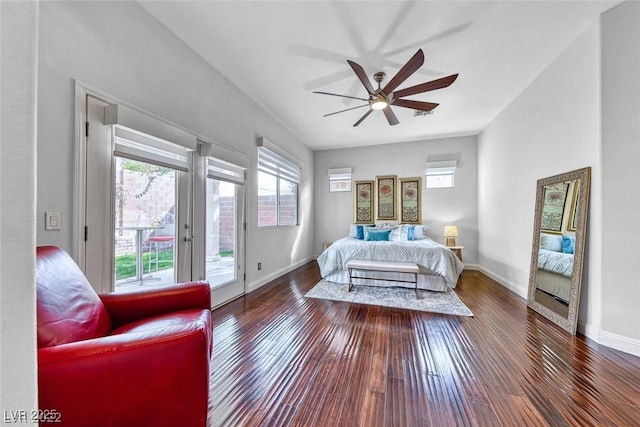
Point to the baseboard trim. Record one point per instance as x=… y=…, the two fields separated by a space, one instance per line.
x=504 y=282
x=608 y=339
x=270 y=277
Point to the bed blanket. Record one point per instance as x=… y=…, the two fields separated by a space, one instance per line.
x=555 y=262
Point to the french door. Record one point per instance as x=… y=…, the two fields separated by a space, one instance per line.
x=138 y=216
x=224 y=255
x=140 y=211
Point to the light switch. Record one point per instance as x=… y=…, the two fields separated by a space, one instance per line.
x=52 y=221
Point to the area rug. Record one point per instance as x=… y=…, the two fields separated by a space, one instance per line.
x=434 y=302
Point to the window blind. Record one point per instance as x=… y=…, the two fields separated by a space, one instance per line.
x=219 y=169
x=274 y=164
x=340 y=174
x=144 y=148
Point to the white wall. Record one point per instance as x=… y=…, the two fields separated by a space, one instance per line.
x=551 y=128
x=582 y=111
x=19 y=37
x=119 y=48
x=621 y=174
x=334 y=211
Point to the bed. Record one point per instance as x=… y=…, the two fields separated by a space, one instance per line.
x=439 y=266
x=554 y=273
x=555 y=265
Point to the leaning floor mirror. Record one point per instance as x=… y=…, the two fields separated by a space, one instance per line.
x=557 y=252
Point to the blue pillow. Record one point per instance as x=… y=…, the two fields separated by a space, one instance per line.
x=359 y=232
x=411 y=232
x=370 y=234
x=568 y=244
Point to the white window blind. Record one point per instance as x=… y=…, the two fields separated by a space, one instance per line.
x=274 y=164
x=219 y=169
x=441 y=174
x=144 y=148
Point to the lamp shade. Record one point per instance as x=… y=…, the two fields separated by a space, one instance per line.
x=450 y=231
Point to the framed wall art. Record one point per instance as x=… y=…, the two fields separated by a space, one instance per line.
x=553 y=203
x=386 y=195
x=364 y=198
x=410 y=200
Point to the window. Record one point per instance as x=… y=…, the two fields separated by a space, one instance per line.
x=340 y=179
x=441 y=174
x=278 y=181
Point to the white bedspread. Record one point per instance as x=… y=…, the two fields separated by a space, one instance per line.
x=431 y=257
x=555 y=262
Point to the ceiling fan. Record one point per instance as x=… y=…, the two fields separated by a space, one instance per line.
x=384 y=98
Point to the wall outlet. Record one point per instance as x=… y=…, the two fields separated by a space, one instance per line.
x=259 y=266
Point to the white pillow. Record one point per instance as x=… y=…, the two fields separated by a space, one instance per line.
x=401 y=233
x=420 y=232
x=551 y=242
x=386 y=225
x=395 y=235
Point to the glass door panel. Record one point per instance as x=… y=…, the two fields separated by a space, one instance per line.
x=221 y=232
x=223 y=254
x=145 y=232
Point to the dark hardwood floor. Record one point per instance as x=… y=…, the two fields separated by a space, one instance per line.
x=281 y=359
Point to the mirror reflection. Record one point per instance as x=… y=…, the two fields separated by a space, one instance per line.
x=558 y=246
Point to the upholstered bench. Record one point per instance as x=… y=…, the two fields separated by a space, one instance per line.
x=383 y=266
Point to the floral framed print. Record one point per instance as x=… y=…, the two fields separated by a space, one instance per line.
x=386 y=194
x=553 y=203
x=410 y=200
x=364 y=198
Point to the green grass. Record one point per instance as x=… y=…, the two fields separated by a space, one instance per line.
x=126 y=264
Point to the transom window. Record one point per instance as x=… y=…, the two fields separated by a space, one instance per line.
x=441 y=174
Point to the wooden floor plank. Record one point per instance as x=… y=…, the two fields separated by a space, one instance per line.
x=284 y=360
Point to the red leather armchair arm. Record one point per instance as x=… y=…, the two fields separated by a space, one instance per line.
x=103 y=382
x=127 y=307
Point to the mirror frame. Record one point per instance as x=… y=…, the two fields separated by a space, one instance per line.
x=570 y=322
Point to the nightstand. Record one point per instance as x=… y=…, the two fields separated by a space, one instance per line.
x=457 y=250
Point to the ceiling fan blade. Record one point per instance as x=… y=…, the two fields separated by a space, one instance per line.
x=390 y=115
x=425 y=87
x=362 y=76
x=343 y=96
x=416 y=105
x=348 y=109
x=409 y=68
x=363 y=117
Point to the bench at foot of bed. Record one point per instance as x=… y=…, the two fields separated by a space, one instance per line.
x=395 y=267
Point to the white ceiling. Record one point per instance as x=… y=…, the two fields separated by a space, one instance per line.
x=278 y=52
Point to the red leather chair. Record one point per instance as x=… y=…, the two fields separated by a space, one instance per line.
x=136 y=358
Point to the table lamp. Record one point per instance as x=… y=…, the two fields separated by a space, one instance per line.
x=451 y=232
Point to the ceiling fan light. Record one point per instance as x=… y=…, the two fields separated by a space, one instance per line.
x=379 y=104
